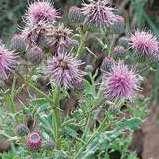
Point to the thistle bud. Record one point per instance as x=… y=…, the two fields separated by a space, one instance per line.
x=107 y=64
x=119 y=26
x=34 y=141
x=35 y=55
x=124 y=41
x=75 y=15
x=22 y=130
x=89 y=68
x=49 y=145
x=18 y=43
x=119 y=51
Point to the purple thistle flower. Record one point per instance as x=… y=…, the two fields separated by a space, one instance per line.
x=41 y=10
x=64 y=70
x=120 y=82
x=34 y=141
x=145 y=44
x=7 y=62
x=99 y=13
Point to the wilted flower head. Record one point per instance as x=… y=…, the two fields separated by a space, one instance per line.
x=42 y=10
x=145 y=44
x=99 y=13
x=59 y=37
x=34 y=34
x=121 y=82
x=64 y=70
x=7 y=62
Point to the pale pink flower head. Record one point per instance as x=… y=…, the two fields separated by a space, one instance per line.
x=99 y=13
x=7 y=62
x=145 y=44
x=64 y=70
x=121 y=82
x=41 y=10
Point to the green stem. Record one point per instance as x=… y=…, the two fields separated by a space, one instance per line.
x=91 y=138
x=36 y=89
x=56 y=116
x=13 y=106
x=83 y=36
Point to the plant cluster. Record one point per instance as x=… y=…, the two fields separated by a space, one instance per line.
x=72 y=83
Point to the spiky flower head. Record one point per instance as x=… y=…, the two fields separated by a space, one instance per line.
x=41 y=10
x=121 y=82
x=64 y=70
x=99 y=13
x=145 y=44
x=59 y=37
x=7 y=62
x=34 y=141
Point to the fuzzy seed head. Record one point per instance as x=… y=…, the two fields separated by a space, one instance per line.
x=7 y=62
x=99 y=13
x=34 y=141
x=42 y=10
x=64 y=70
x=121 y=82
x=145 y=44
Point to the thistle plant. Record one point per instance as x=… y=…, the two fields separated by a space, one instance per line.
x=68 y=77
